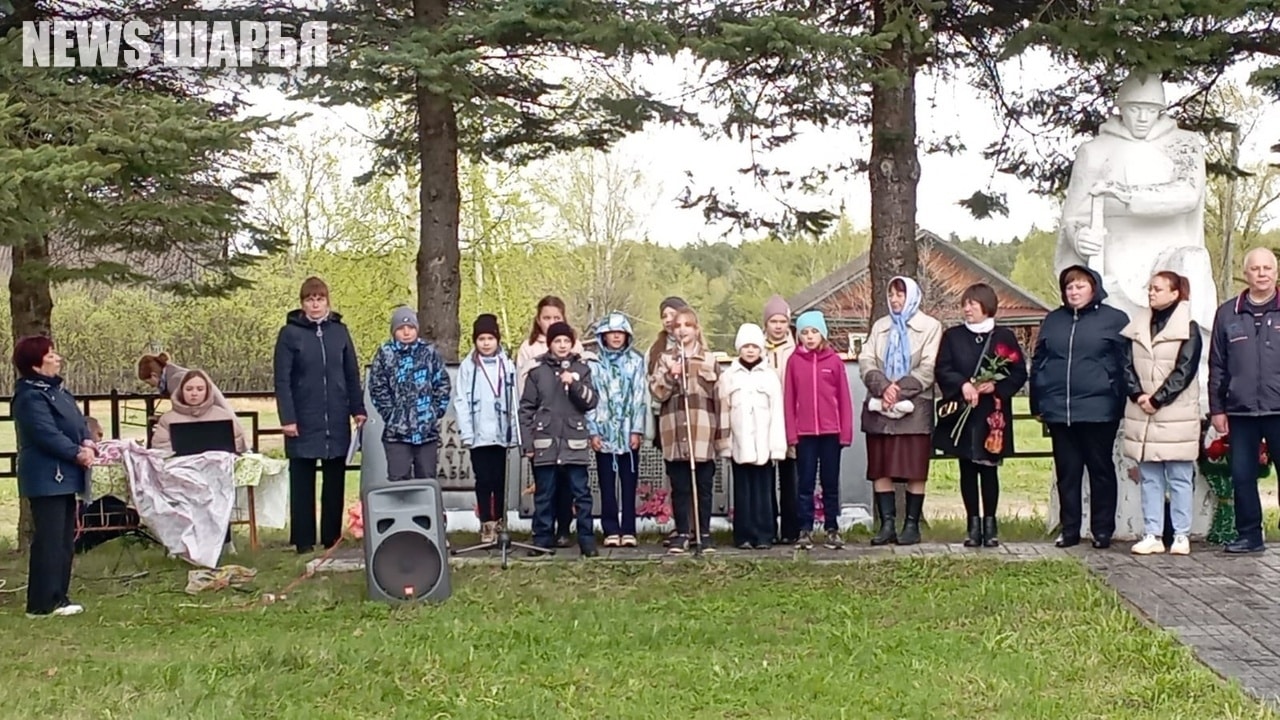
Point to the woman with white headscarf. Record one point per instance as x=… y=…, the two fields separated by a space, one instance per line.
x=897 y=365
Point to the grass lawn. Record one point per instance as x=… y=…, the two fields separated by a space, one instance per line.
x=922 y=638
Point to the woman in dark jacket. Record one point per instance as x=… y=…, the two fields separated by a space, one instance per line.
x=317 y=380
x=1078 y=391
x=986 y=435
x=54 y=453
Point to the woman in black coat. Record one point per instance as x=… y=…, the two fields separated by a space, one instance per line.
x=1078 y=391
x=54 y=453
x=986 y=436
x=317 y=379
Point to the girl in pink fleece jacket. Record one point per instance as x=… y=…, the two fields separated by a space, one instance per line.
x=819 y=414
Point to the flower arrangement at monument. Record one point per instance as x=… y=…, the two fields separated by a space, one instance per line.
x=654 y=502
x=1215 y=465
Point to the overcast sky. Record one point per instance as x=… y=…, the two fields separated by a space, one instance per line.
x=667 y=154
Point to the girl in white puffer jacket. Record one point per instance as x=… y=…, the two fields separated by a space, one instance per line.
x=752 y=395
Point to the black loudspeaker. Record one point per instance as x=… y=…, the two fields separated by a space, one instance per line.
x=405 y=554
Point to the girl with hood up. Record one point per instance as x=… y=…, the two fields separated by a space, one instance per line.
x=819 y=420
x=161 y=373
x=897 y=365
x=193 y=401
x=617 y=426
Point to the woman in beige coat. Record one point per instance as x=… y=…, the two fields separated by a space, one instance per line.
x=194 y=400
x=1162 y=417
x=897 y=365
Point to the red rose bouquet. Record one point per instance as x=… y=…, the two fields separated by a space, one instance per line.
x=994 y=368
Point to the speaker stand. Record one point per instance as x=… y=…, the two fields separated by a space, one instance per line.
x=504 y=544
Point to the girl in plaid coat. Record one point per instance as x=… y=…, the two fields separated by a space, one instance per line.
x=690 y=371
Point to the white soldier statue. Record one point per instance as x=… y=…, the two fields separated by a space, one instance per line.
x=1134 y=207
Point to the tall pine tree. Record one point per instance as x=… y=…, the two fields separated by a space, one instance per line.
x=780 y=68
x=506 y=80
x=118 y=175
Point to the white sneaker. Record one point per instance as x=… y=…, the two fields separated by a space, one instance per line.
x=67 y=610
x=1181 y=545
x=1149 y=545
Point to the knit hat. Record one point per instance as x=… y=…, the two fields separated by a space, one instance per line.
x=486 y=324
x=673 y=302
x=749 y=334
x=558 y=330
x=776 y=305
x=812 y=319
x=402 y=316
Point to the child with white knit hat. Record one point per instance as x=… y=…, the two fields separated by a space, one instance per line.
x=752 y=397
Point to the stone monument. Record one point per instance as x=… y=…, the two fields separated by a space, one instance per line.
x=1135 y=206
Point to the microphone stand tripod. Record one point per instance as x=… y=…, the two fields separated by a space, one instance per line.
x=503 y=544
x=693 y=465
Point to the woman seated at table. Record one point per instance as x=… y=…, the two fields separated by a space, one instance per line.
x=194 y=400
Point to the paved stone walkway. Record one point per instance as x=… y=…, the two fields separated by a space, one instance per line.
x=351 y=559
x=1223 y=606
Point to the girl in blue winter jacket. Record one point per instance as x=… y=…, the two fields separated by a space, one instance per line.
x=484 y=399
x=617 y=426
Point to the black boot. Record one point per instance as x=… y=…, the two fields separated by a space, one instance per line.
x=887 y=512
x=911 y=524
x=975 y=533
x=990 y=536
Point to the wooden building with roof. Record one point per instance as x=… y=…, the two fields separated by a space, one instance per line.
x=844 y=296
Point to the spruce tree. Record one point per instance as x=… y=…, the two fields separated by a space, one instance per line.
x=118 y=175
x=501 y=80
x=780 y=68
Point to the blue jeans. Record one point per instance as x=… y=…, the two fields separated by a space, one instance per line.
x=1247 y=434
x=818 y=456
x=1175 y=476
x=544 y=503
x=612 y=471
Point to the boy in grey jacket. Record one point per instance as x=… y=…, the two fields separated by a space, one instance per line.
x=557 y=396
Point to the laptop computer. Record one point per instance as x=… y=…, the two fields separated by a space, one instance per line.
x=194 y=438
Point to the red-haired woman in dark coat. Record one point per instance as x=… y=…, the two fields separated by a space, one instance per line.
x=54 y=454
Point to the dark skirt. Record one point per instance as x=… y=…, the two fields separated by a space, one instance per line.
x=901 y=457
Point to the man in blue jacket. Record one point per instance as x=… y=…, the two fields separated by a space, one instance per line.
x=1244 y=388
